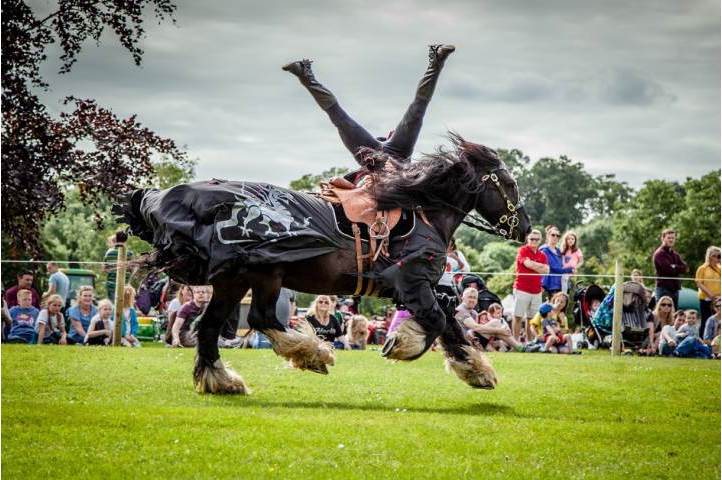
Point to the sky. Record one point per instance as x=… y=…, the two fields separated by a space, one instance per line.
x=630 y=88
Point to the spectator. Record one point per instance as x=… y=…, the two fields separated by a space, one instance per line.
x=690 y=346
x=100 y=330
x=7 y=321
x=555 y=341
x=637 y=277
x=183 y=296
x=25 y=282
x=668 y=335
x=559 y=304
x=179 y=333
x=357 y=332
x=527 y=285
x=129 y=327
x=23 y=318
x=327 y=326
x=668 y=263
x=58 y=282
x=480 y=326
x=712 y=326
x=379 y=330
x=50 y=326
x=455 y=263
x=81 y=314
x=708 y=284
x=400 y=316
x=552 y=282
x=663 y=315
x=115 y=241
x=572 y=256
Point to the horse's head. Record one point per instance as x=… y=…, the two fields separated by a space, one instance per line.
x=497 y=199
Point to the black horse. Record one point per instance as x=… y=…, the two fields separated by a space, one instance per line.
x=241 y=235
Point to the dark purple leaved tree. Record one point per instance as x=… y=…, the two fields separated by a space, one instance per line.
x=42 y=154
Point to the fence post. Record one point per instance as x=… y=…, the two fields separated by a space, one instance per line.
x=617 y=317
x=119 y=291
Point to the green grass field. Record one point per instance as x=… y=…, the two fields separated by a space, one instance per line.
x=120 y=413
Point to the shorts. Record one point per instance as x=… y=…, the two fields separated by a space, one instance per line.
x=526 y=304
x=559 y=337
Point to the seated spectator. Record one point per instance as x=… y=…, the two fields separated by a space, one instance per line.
x=179 y=333
x=668 y=336
x=663 y=315
x=50 y=326
x=23 y=316
x=558 y=303
x=400 y=316
x=183 y=296
x=25 y=282
x=382 y=328
x=7 y=321
x=555 y=340
x=357 y=331
x=100 y=330
x=493 y=328
x=129 y=328
x=712 y=327
x=327 y=326
x=81 y=314
x=691 y=346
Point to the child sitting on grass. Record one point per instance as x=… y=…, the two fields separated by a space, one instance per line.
x=691 y=346
x=555 y=341
x=130 y=319
x=23 y=315
x=51 y=323
x=100 y=331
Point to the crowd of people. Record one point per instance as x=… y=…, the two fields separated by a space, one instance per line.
x=538 y=321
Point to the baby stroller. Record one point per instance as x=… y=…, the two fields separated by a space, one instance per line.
x=634 y=318
x=583 y=299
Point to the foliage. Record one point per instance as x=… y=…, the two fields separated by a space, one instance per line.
x=369 y=418
x=692 y=208
x=42 y=154
x=310 y=182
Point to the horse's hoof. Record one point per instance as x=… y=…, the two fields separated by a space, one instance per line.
x=475 y=370
x=388 y=346
x=322 y=369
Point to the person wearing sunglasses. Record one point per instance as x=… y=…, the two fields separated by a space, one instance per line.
x=327 y=326
x=552 y=283
x=669 y=265
x=531 y=264
x=708 y=284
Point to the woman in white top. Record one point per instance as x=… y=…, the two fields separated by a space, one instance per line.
x=455 y=263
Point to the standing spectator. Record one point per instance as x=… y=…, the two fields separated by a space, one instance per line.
x=100 y=330
x=455 y=263
x=528 y=286
x=25 y=282
x=129 y=328
x=552 y=282
x=58 y=282
x=179 y=333
x=572 y=256
x=111 y=261
x=327 y=326
x=81 y=314
x=708 y=284
x=712 y=327
x=23 y=318
x=668 y=263
x=50 y=326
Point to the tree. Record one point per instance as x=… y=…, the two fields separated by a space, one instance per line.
x=41 y=154
x=310 y=182
x=699 y=223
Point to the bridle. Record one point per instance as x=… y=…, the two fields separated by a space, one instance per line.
x=504 y=227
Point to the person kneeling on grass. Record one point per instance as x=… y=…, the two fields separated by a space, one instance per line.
x=23 y=315
x=100 y=331
x=51 y=323
x=691 y=346
x=555 y=341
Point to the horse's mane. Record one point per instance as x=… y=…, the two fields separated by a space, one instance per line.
x=436 y=180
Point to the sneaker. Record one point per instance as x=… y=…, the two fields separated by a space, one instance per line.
x=230 y=342
x=532 y=347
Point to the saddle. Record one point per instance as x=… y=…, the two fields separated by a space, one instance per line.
x=360 y=208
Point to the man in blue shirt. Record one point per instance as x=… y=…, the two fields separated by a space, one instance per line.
x=58 y=282
x=552 y=283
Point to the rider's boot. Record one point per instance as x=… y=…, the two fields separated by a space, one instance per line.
x=437 y=56
x=322 y=95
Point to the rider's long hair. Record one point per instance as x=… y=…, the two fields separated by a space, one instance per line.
x=447 y=176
